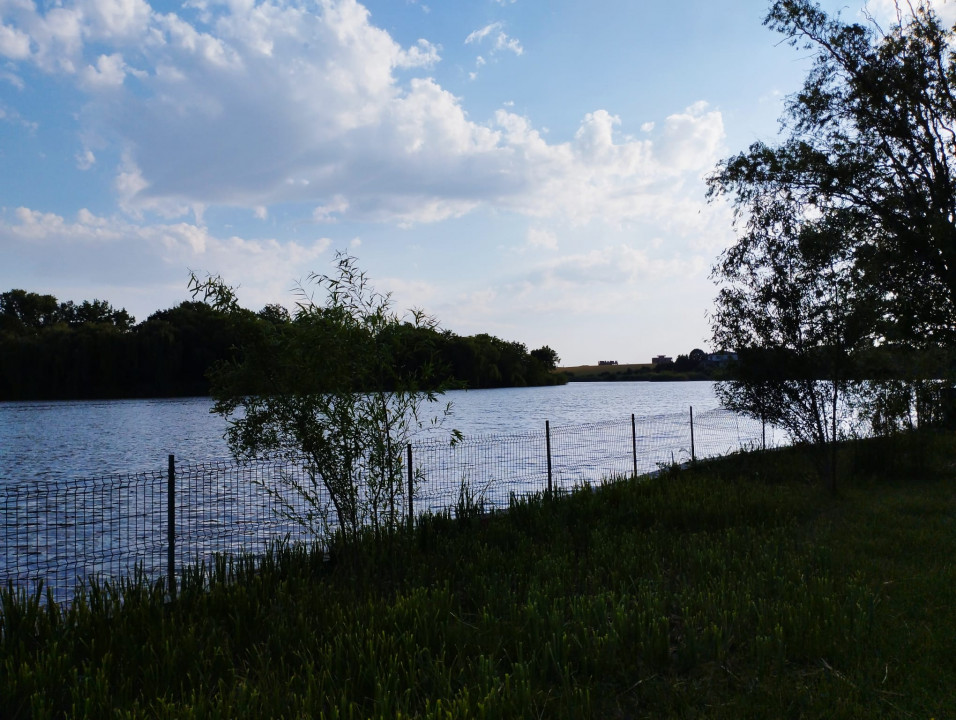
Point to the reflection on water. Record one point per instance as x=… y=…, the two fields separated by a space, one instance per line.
x=48 y=440
x=58 y=529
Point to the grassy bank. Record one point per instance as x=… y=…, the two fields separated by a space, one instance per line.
x=637 y=371
x=739 y=589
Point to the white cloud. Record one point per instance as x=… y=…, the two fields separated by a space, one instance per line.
x=323 y=213
x=113 y=19
x=590 y=293
x=55 y=39
x=692 y=138
x=538 y=237
x=478 y=35
x=258 y=104
x=615 y=265
x=14 y=43
x=153 y=258
x=886 y=12
x=422 y=54
x=109 y=72
x=946 y=10
x=500 y=39
x=503 y=42
x=602 y=176
x=85 y=160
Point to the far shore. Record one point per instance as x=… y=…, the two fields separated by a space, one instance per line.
x=639 y=372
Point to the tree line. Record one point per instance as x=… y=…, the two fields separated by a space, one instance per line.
x=66 y=350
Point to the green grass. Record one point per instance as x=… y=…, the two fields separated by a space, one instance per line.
x=738 y=589
x=636 y=371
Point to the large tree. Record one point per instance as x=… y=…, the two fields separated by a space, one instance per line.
x=792 y=306
x=870 y=139
x=847 y=227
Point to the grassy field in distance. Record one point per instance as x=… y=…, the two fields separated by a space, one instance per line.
x=630 y=371
x=588 y=370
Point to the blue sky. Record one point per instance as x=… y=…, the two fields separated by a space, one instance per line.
x=531 y=170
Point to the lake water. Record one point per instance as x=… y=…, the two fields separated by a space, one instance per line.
x=55 y=440
x=84 y=489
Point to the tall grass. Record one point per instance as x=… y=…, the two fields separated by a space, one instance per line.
x=738 y=589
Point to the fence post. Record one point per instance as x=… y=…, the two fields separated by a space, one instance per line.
x=634 y=443
x=547 y=434
x=693 y=454
x=763 y=432
x=411 y=491
x=171 y=526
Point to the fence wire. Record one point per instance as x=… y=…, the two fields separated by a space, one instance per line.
x=64 y=533
x=60 y=533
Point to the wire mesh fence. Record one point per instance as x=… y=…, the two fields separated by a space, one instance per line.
x=62 y=534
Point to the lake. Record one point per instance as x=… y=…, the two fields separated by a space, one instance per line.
x=55 y=440
x=85 y=490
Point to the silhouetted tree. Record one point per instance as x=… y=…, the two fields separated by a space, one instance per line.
x=848 y=238
x=24 y=312
x=547 y=357
x=870 y=147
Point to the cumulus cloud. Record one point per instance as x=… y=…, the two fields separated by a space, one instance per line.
x=422 y=54
x=14 y=44
x=250 y=105
x=109 y=71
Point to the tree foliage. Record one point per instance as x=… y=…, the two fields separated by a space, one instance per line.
x=847 y=227
x=870 y=145
x=27 y=313
x=345 y=385
x=54 y=350
x=790 y=305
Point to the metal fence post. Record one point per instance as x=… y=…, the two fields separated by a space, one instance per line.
x=547 y=435
x=171 y=526
x=693 y=454
x=763 y=433
x=411 y=491
x=634 y=443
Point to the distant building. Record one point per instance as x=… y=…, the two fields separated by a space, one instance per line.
x=607 y=362
x=662 y=360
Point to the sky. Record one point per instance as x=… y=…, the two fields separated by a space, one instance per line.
x=533 y=170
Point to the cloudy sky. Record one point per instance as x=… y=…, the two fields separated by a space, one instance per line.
x=529 y=169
